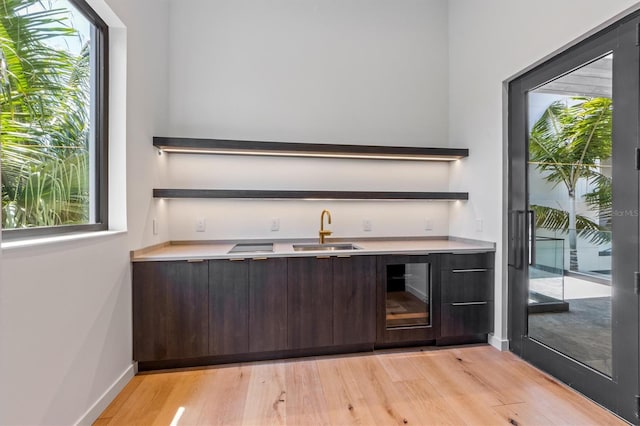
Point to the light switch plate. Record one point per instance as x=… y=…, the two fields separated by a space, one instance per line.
x=275 y=224
x=428 y=224
x=366 y=225
x=201 y=225
x=155 y=226
x=478 y=225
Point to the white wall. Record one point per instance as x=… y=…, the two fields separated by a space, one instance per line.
x=489 y=42
x=228 y=219
x=348 y=71
x=65 y=308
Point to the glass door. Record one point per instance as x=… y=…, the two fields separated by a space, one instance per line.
x=408 y=294
x=573 y=222
x=406 y=289
x=569 y=203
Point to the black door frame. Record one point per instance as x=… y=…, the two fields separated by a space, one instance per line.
x=618 y=393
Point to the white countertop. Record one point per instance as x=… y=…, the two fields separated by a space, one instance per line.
x=220 y=250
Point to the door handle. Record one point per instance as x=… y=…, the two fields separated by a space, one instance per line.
x=532 y=236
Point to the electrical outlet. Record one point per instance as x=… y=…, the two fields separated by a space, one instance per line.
x=366 y=225
x=428 y=225
x=478 y=225
x=155 y=226
x=201 y=225
x=275 y=224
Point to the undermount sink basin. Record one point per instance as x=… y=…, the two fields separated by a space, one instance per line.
x=252 y=248
x=325 y=247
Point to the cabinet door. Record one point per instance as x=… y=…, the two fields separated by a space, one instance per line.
x=354 y=300
x=310 y=302
x=268 y=305
x=228 y=307
x=467 y=285
x=468 y=261
x=466 y=318
x=170 y=310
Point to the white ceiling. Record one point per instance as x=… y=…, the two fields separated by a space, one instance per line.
x=593 y=79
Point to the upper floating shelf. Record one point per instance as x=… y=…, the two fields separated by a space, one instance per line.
x=296 y=149
x=309 y=195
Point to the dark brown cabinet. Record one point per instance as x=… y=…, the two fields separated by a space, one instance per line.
x=170 y=310
x=268 y=305
x=310 y=302
x=228 y=307
x=248 y=306
x=190 y=312
x=354 y=300
x=467 y=295
x=331 y=301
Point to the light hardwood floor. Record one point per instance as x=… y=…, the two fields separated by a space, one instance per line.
x=472 y=385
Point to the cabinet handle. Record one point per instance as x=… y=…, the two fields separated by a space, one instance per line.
x=344 y=256
x=260 y=258
x=237 y=260
x=323 y=257
x=457 y=271
x=468 y=303
x=195 y=260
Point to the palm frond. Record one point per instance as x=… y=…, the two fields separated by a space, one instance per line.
x=557 y=220
x=44 y=118
x=568 y=141
x=601 y=198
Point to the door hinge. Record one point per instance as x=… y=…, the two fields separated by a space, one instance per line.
x=636 y=284
x=637 y=158
x=638 y=34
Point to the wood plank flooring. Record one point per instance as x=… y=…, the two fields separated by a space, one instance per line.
x=470 y=385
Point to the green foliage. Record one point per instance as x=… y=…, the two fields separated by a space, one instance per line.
x=567 y=144
x=601 y=199
x=558 y=220
x=44 y=118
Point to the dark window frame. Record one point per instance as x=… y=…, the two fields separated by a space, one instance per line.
x=100 y=39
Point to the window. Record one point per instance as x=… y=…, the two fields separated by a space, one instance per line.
x=53 y=129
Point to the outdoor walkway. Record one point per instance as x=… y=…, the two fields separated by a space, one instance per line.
x=584 y=331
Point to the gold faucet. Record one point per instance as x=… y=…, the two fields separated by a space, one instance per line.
x=324 y=232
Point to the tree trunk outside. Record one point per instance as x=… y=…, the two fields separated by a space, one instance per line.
x=573 y=243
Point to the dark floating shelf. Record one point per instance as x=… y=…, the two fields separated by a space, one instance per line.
x=316 y=195
x=297 y=149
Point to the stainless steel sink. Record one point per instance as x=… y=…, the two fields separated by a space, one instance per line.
x=252 y=248
x=325 y=247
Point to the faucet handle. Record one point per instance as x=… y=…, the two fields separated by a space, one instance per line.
x=323 y=233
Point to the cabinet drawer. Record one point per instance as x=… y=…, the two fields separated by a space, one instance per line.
x=467 y=261
x=467 y=285
x=465 y=319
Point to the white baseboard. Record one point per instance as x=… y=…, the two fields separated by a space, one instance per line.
x=500 y=344
x=417 y=292
x=92 y=414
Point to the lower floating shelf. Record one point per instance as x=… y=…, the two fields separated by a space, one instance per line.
x=313 y=195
